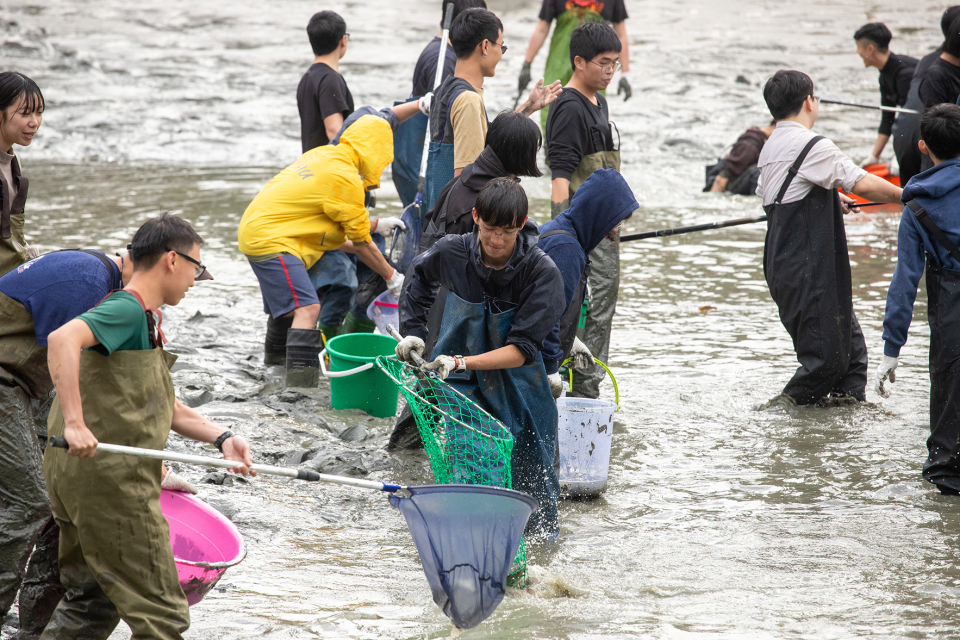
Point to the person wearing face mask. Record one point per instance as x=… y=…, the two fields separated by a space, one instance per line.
x=21 y=113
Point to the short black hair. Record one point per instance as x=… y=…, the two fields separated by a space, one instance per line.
x=325 y=30
x=785 y=92
x=156 y=236
x=948 y=17
x=877 y=33
x=502 y=203
x=952 y=42
x=14 y=87
x=515 y=139
x=940 y=130
x=459 y=6
x=591 y=39
x=472 y=27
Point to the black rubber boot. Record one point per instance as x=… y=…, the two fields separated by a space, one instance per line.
x=275 y=344
x=303 y=357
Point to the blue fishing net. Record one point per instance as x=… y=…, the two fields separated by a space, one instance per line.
x=467 y=537
x=407 y=243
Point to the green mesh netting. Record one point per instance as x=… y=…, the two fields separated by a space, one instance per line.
x=465 y=444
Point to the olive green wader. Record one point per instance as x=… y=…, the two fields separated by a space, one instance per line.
x=13 y=244
x=558 y=65
x=603 y=285
x=116 y=561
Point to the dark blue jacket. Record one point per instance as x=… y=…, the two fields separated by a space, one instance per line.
x=602 y=202
x=937 y=190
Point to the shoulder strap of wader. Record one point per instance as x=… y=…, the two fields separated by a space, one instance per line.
x=154 y=332
x=924 y=218
x=792 y=171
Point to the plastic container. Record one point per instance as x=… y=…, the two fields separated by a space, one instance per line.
x=355 y=382
x=585 y=430
x=205 y=543
x=384 y=310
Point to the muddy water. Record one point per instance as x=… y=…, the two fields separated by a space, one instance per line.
x=720 y=520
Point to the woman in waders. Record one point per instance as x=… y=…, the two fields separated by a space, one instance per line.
x=805 y=259
x=505 y=296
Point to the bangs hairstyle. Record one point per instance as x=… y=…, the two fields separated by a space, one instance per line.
x=516 y=140
x=472 y=27
x=156 y=236
x=502 y=203
x=940 y=130
x=325 y=31
x=17 y=90
x=459 y=6
x=785 y=92
x=877 y=33
x=591 y=39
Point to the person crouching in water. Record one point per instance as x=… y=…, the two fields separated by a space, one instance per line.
x=805 y=259
x=505 y=296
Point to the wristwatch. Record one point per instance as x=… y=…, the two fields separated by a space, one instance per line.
x=461 y=364
x=218 y=443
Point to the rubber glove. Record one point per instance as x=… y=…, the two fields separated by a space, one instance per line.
x=556 y=384
x=893 y=166
x=524 y=78
x=32 y=252
x=887 y=369
x=443 y=366
x=424 y=104
x=386 y=226
x=395 y=284
x=173 y=482
x=624 y=87
x=871 y=159
x=410 y=344
x=582 y=358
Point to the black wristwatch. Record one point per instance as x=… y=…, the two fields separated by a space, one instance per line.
x=218 y=443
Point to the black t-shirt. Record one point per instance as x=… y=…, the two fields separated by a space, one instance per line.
x=576 y=128
x=426 y=70
x=941 y=83
x=895 y=80
x=611 y=10
x=322 y=92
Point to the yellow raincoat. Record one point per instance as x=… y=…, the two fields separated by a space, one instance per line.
x=316 y=203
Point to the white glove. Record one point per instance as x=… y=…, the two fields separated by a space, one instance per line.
x=408 y=345
x=32 y=252
x=887 y=369
x=386 y=226
x=582 y=358
x=871 y=159
x=893 y=167
x=442 y=366
x=173 y=482
x=556 y=384
x=424 y=104
x=395 y=284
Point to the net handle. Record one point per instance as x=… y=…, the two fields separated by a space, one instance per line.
x=341 y=374
x=613 y=379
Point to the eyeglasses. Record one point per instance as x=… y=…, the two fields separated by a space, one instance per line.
x=490 y=233
x=817 y=98
x=609 y=67
x=200 y=268
x=503 y=47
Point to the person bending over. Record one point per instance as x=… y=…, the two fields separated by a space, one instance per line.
x=737 y=172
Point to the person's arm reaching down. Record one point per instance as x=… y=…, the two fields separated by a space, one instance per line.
x=332 y=124
x=190 y=423
x=63 y=359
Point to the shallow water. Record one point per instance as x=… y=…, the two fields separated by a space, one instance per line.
x=720 y=520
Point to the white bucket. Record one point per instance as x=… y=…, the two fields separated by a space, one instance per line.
x=585 y=430
x=384 y=310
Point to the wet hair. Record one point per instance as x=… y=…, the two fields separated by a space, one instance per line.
x=877 y=33
x=591 y=39
x=785 y=92
x=940 y=130
x=325 y=30
x=948 y=17
x=158 y=235
x=952 y=42
x=515 y=139
x=16 y=87
x=502 y=203
x=459 y=6
x=472 y=27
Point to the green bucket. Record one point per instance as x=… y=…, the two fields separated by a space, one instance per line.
x=355 y=381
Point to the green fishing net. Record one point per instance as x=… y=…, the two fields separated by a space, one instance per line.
x=465 y=444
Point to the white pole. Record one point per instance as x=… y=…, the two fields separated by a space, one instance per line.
x=437 y=79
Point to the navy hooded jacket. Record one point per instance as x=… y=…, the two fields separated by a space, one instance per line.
x=602 y=202
x=937 y=190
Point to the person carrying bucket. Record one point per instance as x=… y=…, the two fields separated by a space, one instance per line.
x=596 y=212
x=505 y=296
x=569 y=15
x=113 y=384
x=458 y=116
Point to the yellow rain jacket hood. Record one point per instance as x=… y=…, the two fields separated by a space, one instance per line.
x=316 y=203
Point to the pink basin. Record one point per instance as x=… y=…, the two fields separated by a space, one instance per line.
x=205 y=543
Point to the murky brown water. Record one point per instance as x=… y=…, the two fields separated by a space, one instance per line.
x=720 y=520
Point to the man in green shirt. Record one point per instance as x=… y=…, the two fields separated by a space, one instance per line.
x=113 y=384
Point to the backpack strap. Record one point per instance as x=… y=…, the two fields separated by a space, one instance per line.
x=924 y=218
x=792 y=171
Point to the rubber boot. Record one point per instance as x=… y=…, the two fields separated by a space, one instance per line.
x=41 y=590
x=275 y=344
x=357 y=324
x=328 y=331
x=303 y=357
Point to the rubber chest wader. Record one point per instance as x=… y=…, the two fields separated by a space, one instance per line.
x=558 y=65
x=942 y=467
x=116 y=561
x=807 y=268
x=440 y=159
x=519 y=397
x=13 y=245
